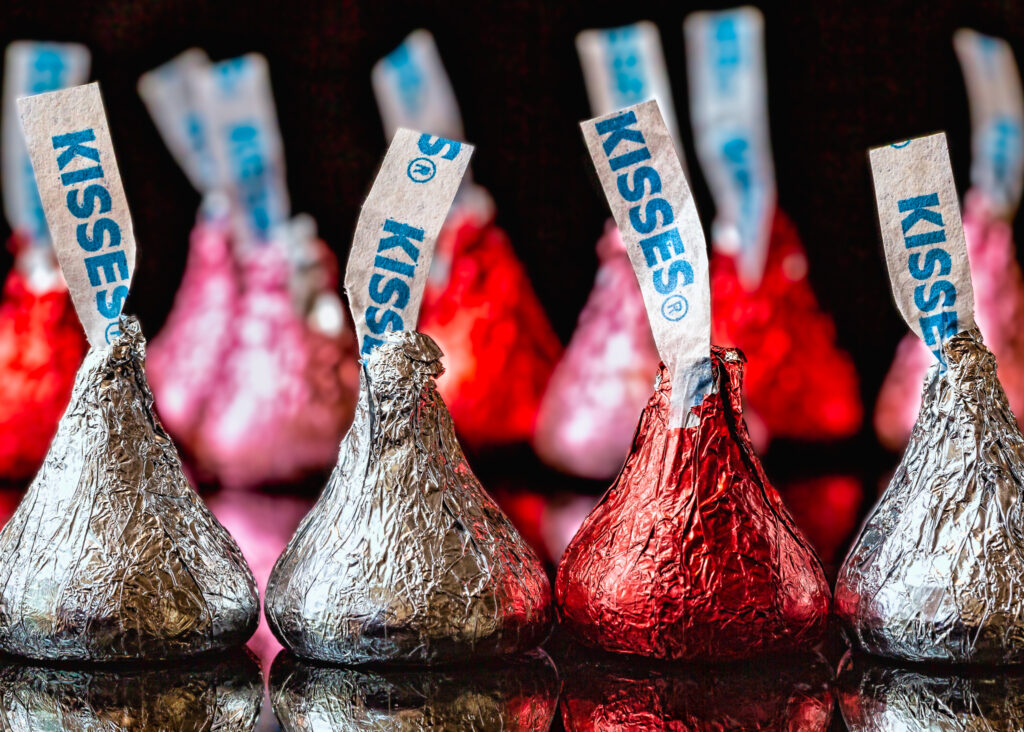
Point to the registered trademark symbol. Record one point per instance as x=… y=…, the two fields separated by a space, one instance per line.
x=675 y=308
x=421 y=170
x=113 y=331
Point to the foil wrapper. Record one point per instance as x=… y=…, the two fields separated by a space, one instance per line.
x=588 y=415
x=800 y=384
x=788 y=693
x=111 y=555
x=405 y=558
x=998 y=312
x=877 y=697
x=184 y=359
x=223 y=694
x=691 y=553
x=519 y=695
x=935 y=572
x=41 y=346
x=283 y=401
x=500 y=347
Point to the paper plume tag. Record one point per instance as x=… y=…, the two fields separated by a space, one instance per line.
x=413 y=90
x=923 y=235
x=729 y=111
x=80 y=186
x=652 y=204
x=246 y=144
x=397 y=230
x=997 y=117
x=624 y=66
x=31 y=68
x=169 y=94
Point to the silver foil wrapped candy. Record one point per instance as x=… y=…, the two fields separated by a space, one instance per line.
x=935 y=572
x=518 y=695
x=225 y=695
x=405 y=558
x=111 y=554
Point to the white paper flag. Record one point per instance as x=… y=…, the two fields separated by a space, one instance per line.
x=80 y=187
x=397 y=231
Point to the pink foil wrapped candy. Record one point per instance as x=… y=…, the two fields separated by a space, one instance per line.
x=185 y=359
x=588 y=414
x=998 y=311
x=283 y=403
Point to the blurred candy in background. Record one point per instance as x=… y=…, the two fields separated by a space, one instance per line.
x=41 y=340
x=605 y=376
x=255 y=370
x=479 y=305
x=997 y=179
x=800 y=384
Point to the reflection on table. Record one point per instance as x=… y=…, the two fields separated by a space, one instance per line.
x=519 y=695
x=223 y=693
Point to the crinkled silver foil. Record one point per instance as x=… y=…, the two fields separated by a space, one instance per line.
x=111 y=555
x=877 y=697
x=519 y=695
x=223 y=695
x=405 y=557
x=935 y=573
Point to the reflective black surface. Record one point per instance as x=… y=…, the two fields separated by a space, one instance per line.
x=568 y=689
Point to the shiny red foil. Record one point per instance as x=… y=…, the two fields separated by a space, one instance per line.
x=691 y=553
x=285 y=394
x=800 y=384
x=41 y=346
x=588 y=415
x=499 y=347
x=184 y=360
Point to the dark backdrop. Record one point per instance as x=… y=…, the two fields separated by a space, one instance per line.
x=842 y=77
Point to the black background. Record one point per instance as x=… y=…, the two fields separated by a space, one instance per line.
x=842 y=77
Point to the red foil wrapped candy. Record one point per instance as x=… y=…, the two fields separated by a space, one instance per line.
x=800 y=384
x=185 y=359
x=588 y=415
x=499 y=347
x=691 y=554
x=41 y=347
x=284 y=401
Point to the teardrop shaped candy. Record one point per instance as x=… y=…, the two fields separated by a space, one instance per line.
x=935 y=573
x=111 y=555
x=405 y=558
x=691 y=553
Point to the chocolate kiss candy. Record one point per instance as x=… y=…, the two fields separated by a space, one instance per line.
x=800 y=383
x=935 y=573
x=41 y=345
x=691 y=554
x=405 y=557
x=623 y=695
x=519 y=695
x=111 y=554
x=875 y=697
x=186 y=356
x=588 y=414
x=223 y=694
